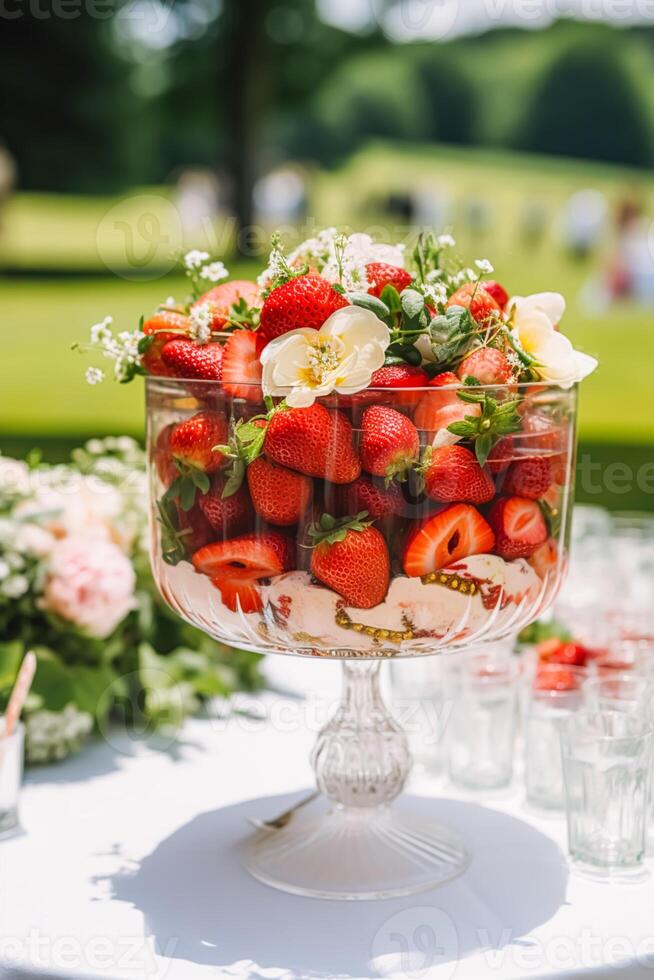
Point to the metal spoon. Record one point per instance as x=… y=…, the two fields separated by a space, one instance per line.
x=281 y=821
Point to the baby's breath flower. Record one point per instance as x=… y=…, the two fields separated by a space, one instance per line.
x=101 y=331
x=484 y=266
x=445 y=241
x=200 y=328
x=435 y=293
x=94 y=375
x=214 y=272
x=195 y=259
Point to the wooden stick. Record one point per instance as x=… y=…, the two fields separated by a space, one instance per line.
x=20 y=692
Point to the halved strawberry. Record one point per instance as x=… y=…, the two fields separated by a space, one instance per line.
x=519 y=527
x=304 y=301
x=241 y=366
x=280 y=496
x=474 y=297
x=222 y=298
x=382 y=274
x=164 y=326
x=452 y=473
x=186 y=359
x=236 y=567
x=449 y=536
x=389 y=442
x=529 y=477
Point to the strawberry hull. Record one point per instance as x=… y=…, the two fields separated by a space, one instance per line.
x=426 y=548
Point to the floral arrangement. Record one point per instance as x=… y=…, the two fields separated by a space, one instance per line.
x=75 y=586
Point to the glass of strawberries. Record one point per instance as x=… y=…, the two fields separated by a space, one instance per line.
x=362 y=457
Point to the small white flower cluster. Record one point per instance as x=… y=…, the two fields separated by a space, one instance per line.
x=197 y=266
x=122 y=349
x=200 y=323
x=214 y=272
x=195 y=259
x=464 y=276
x=445 y=241
x=484 y=266
x=13 y=583
x=52 y=735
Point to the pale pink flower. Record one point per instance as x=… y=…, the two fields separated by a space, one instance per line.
x=90 y=583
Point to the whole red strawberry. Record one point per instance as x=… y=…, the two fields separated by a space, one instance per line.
x=162 y=457
x=305 y=301
x=186 y=359
x=501 y=455
x=474 y=297
x=165 y=326
x=194 y=529
x=229 y=515
x=350 y=557
x=280 y=496
x=389 y=442
x=192 y=441
x=530 y=477
x=370 y=495
x=519 y=527
x=452 y=473
x=382 y=274
x=222 y=298
x=488 y=365
x=497 y=291
x=314 y=441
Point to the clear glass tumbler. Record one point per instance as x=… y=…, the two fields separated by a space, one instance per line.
x=419 y=704
x=481 y=692
x=551 y=695
x=619 y=692
x=11 y=776
x=607 y=758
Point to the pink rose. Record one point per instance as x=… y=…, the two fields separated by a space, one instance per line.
x=90 y=583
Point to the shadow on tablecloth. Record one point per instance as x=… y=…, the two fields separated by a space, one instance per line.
x=201 y=906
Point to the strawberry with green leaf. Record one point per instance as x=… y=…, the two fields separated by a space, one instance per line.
x=351 y=557
x=193 y=445
x=497 y=419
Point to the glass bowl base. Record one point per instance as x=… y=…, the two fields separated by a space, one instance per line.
x=356 y=854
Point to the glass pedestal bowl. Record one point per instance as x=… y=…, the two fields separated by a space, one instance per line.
x=461 y=573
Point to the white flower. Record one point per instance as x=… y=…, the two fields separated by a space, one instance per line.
x=195 y=259
x=200 y=328
x=533 y=320
x=445 y=241
x=15 y=586
x=342 y=356
x=484 y=266
x=94 y=375
x=101 y=331
x=435 y=293
x=370 y=251
x=214 y=272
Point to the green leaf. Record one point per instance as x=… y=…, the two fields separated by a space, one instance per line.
x=413 y=303
x=53 y=681
x=483 y=446
x=391 y=298
x=368 y=302
x=331 y=529
x=145 y=343
x=96 y=688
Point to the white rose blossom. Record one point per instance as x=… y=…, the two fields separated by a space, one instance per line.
x=533 y=320
x=342 y=356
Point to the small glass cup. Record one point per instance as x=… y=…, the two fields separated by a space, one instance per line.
x=553 y=692
x=607 y=760
x=418 y=699
x=615 y=691
x=11 y=776
x=481 y=726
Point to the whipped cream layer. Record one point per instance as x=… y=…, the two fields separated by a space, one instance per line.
x=476 y=599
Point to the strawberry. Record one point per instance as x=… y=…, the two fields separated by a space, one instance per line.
x=399 y=376
x=556 y=651
x=488 y=365
x=545 y=559
x=162 y=457
x=182 y=531
x=452 y=473
x=186 y=359
x=519 y=527
x=194 y=529
x=236 y=566
x=497 y=291
x=438 y=409
x=389 y=442
x=241 y=366
x=529 y=477
x=367 y=494
x=224 y=297
x=280 y=496
x=501 y=455
x=192 y=441
x=304 y=301
x=382 y=274
x=227 y=514
x=449 y=536
x=350 y=557
x=314 y=441
x=474 y=297
x=556 y=679
x=164 y=326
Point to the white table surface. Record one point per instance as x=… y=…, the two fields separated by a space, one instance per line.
x=127 y=869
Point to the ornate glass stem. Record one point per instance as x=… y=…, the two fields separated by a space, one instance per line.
x=361 y=758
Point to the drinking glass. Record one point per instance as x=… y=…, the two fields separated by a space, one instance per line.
x=551 y=695
x=11 y=776
x=420 y=705
x=607 y=757
x=482 y=698
x=619 y=692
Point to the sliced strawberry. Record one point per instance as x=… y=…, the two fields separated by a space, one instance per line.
x=451 y=535
x=452 y=473
x=228 y=515
x=222 y=298
x=389 y=442
x=474 y=297
x=280 y=496
x=236 y=566
x=519 y=527
x=304 y=301
x=241 y=367
x=488 y=365
x=382 y=274
x=530 y=478
x=166 y=325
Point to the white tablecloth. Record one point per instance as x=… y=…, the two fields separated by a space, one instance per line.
x=127 y=869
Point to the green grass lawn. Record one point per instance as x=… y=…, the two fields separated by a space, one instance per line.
x=44 y=392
